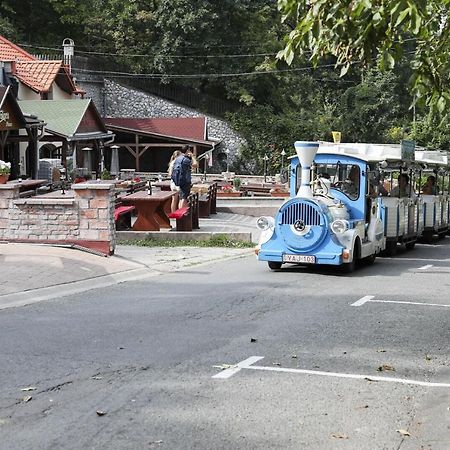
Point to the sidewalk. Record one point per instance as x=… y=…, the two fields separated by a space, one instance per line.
x=33 y=273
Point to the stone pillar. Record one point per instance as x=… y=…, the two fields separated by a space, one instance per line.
x=96 y=202
x=8 y=192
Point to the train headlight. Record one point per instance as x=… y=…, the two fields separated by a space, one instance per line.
x=264 y=223
x=340 y=226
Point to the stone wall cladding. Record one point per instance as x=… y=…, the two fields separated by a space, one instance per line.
x=85 y=219
x=115 y=100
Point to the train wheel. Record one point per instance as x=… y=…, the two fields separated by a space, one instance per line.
x=391 y=248
x=410 y=245
x=427 y=237
x=348 y=267
x=369 y=260
x=274 y=265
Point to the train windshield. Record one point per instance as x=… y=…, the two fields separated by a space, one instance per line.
x=343 y=177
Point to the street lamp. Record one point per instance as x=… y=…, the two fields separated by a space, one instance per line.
x=227 y=151
x=266 y=158
x=283 y=154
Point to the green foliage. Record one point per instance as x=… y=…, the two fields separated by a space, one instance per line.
x=365 y=31
x=371 y=109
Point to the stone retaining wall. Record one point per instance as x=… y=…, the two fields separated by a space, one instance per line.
x=84 y=217
x=115 y=100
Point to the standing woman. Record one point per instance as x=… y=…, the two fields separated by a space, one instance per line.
x=173 y=186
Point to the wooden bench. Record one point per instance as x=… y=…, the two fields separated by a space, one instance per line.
x=122 y=217
x=187 y=217
x=207 y=202
x=213 y=198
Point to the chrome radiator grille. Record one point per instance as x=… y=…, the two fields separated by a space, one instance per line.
x=301 y=211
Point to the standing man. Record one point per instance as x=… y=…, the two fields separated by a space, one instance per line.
x=181 y=174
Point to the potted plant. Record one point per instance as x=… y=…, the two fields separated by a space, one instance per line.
x=228 y=191
x=5 y=170
x=237 y=184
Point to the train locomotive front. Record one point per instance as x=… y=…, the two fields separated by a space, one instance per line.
x=320 y=228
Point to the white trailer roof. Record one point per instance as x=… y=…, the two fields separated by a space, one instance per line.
x=434 y=157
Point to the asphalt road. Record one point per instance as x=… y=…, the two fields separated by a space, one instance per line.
x=351 y=362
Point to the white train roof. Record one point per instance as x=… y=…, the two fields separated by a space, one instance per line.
x=366 y=152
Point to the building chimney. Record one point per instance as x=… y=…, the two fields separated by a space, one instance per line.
x=69 y=47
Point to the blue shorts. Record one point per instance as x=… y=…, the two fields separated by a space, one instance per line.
x=184 y=191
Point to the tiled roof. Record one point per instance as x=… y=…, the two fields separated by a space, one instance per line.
x=11 y=52
x=38 y=75
x=63 y=117
x=189 y=128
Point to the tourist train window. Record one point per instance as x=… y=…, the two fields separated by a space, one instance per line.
x=343 y=177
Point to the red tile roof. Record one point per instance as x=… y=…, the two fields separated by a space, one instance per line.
x=190 y=128
x=11 y=52
x=40 y=75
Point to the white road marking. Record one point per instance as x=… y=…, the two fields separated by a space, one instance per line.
x=363 y=300
x=428 y=266
x=409 y=303
x=246 y=364
x=227 y=373
x=370 y=299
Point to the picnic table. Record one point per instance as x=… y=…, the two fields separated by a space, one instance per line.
x=152 y=210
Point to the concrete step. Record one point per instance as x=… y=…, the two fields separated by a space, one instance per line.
x=250 y=206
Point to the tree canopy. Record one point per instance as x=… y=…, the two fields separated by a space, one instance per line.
x=227 y=50
x=376 y=31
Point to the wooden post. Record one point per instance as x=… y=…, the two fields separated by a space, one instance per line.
x=137 y=152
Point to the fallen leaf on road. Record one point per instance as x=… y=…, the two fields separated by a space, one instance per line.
x=27 y=398
x=381 y=351
x=339 y=436
x=385 y=367
x=253 y=339
x=225 y=366
x=97 y=377
x=428 y=357
x=294 y=356
x=120 y=348
x=101 y=413
x=362 y=407
x=370 y=379
x=29 y=388
x=276 y=364
x=403 y=432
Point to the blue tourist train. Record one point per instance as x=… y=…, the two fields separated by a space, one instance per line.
x=351 y=202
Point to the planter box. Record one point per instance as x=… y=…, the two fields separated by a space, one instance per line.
x=279 y=194
x=228 y=194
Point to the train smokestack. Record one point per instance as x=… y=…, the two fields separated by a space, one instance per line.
x=306 y=152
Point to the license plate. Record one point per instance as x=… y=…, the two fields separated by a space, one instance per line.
x=308 y=259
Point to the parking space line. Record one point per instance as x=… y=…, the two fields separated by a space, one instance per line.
x=371 y=299
x=247 y=364
x=227 y=373
x=363 y=300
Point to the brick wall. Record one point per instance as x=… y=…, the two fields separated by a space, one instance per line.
x=83 y=216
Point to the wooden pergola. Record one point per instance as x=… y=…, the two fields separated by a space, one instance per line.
x=137 y=140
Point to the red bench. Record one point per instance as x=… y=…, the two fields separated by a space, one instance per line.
x=122 y=217
x=187 y=217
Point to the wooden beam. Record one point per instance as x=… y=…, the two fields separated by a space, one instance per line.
x=130 y=149
x=137 y=152
x=152 y=144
